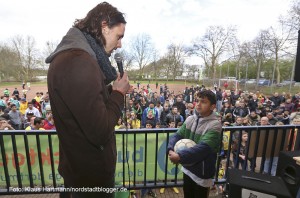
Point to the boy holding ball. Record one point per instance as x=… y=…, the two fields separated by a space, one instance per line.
x=198 y=162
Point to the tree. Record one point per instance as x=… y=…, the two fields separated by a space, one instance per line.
x=213 y=44
x=142 y=50
x=256 y=50
x=49 y=48
x=7 y=62
x=278 y=43
x=293 y=17
x=176 y=55
x=28 y=57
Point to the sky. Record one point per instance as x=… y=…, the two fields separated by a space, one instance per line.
x=166 y=21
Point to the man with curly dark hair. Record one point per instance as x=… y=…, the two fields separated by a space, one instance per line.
x=85 y=106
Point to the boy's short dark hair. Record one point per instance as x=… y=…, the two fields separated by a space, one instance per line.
x=149 y=122
x=37 y=120
x=179 y=124
x=209 y=95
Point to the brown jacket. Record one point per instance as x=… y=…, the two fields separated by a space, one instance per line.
x=85 y=113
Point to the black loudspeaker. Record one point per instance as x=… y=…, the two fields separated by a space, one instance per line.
x=297 y=65
x=289 y=170
x=246 y=184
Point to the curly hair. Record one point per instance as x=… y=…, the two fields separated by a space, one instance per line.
x=92 y=23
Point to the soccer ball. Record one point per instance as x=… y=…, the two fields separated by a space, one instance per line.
x=184 y=143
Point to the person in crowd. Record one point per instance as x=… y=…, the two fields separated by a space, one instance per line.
x=49 y=121
x=44 y=104
x=37 y=97
x=240 y=151
x=173 y=116
x=253 y=118
x=23 y=85
x=227 y=119
x=180 y=106
x=163 y=115
x=6 y=92
x=15 y=100
x=226 y=108
x=190 y=97
x=23 y=106
x=253 y=102
x=4 y=124
x=42 y=97
x=288 y=105
x=3 y=103
x=241 y=110
x=32 y=109
x=146 y=116
x=238 y=121
x=150 y=118
x=135 y=123
x=159 y=109
x=36 y=123
x=15 y=117
x=144 y=104
x=120 y=124
x=16 y=93
x=276 y=99
x=272 y=119
x=189 y=110
x=219 y=99
x=264 y=121
x=162 y=98
x=37 y=105
x=246 y=122
x=138 y=110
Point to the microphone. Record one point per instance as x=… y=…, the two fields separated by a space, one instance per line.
x=119 y=59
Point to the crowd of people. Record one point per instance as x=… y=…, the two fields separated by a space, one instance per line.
x=165 y=109
x=19 y=113
x=162 y=108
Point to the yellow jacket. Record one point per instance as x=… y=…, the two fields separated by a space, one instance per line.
x=135 y=124
x=23 y=107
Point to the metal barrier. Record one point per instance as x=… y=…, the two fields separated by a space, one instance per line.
x=29 y=159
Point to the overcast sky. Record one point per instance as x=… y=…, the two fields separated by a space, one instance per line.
x=166 y=21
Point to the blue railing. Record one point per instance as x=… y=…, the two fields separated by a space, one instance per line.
x=29 y=159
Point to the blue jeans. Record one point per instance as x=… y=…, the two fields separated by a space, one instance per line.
x=274 y=165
